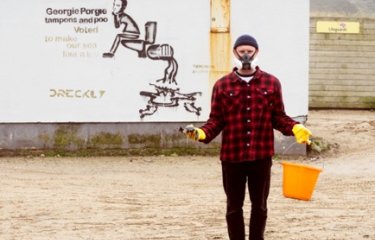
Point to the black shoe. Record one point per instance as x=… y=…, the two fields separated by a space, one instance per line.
x=108 y=55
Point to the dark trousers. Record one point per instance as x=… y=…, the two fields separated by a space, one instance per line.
x=257 y=175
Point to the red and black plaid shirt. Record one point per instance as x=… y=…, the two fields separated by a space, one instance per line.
x=247 y=113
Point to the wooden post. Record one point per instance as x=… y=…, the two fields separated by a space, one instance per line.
x=220 y=41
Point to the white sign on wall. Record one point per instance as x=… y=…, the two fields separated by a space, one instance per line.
x=136 y=60
x=104 y=60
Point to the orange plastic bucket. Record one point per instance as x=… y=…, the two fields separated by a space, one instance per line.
x=299 y=180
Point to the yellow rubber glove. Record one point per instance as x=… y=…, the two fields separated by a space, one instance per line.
x=302 y=134
x=194 y=133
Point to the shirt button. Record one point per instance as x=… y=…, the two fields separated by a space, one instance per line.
x=248 y=96
x=248 y=120
x=248 y=132
x=247 y=144
x=248 y=108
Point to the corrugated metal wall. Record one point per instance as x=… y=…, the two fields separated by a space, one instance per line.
x=342 y=66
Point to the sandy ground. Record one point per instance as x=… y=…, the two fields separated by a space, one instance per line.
x=182 y=197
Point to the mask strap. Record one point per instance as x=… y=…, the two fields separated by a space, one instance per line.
x=238 y=55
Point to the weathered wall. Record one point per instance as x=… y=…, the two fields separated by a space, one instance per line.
x=342 y=66
x=123 y=138
x=51 y=115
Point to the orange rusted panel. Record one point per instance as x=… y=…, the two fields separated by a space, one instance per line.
x=220 y=40
x=220 y=16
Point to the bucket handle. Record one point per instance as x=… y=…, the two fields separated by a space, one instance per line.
x=291 y=145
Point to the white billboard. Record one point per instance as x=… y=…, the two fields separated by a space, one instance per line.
x=104 y=60
x=138 y=60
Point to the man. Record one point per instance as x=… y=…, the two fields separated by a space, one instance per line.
x=246 y=106
x=130 y=29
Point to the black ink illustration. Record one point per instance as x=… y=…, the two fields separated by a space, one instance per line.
x=166 y=92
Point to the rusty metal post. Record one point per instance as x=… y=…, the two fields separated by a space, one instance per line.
x=220 y=41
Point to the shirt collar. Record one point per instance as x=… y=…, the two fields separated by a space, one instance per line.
x=235 y=78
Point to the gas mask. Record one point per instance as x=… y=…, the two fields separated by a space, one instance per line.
x=245 y=62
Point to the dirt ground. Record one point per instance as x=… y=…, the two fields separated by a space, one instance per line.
x=182 y=197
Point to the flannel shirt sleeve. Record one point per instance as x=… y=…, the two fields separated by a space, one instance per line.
x=215 y=122
x=281 y=121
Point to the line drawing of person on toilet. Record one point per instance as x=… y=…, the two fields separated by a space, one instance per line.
x=166 y=92
x=130 y=30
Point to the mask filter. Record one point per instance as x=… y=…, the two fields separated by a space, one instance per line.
x=245 y=62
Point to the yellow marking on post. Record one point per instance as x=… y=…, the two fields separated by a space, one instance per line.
x=220 y=40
